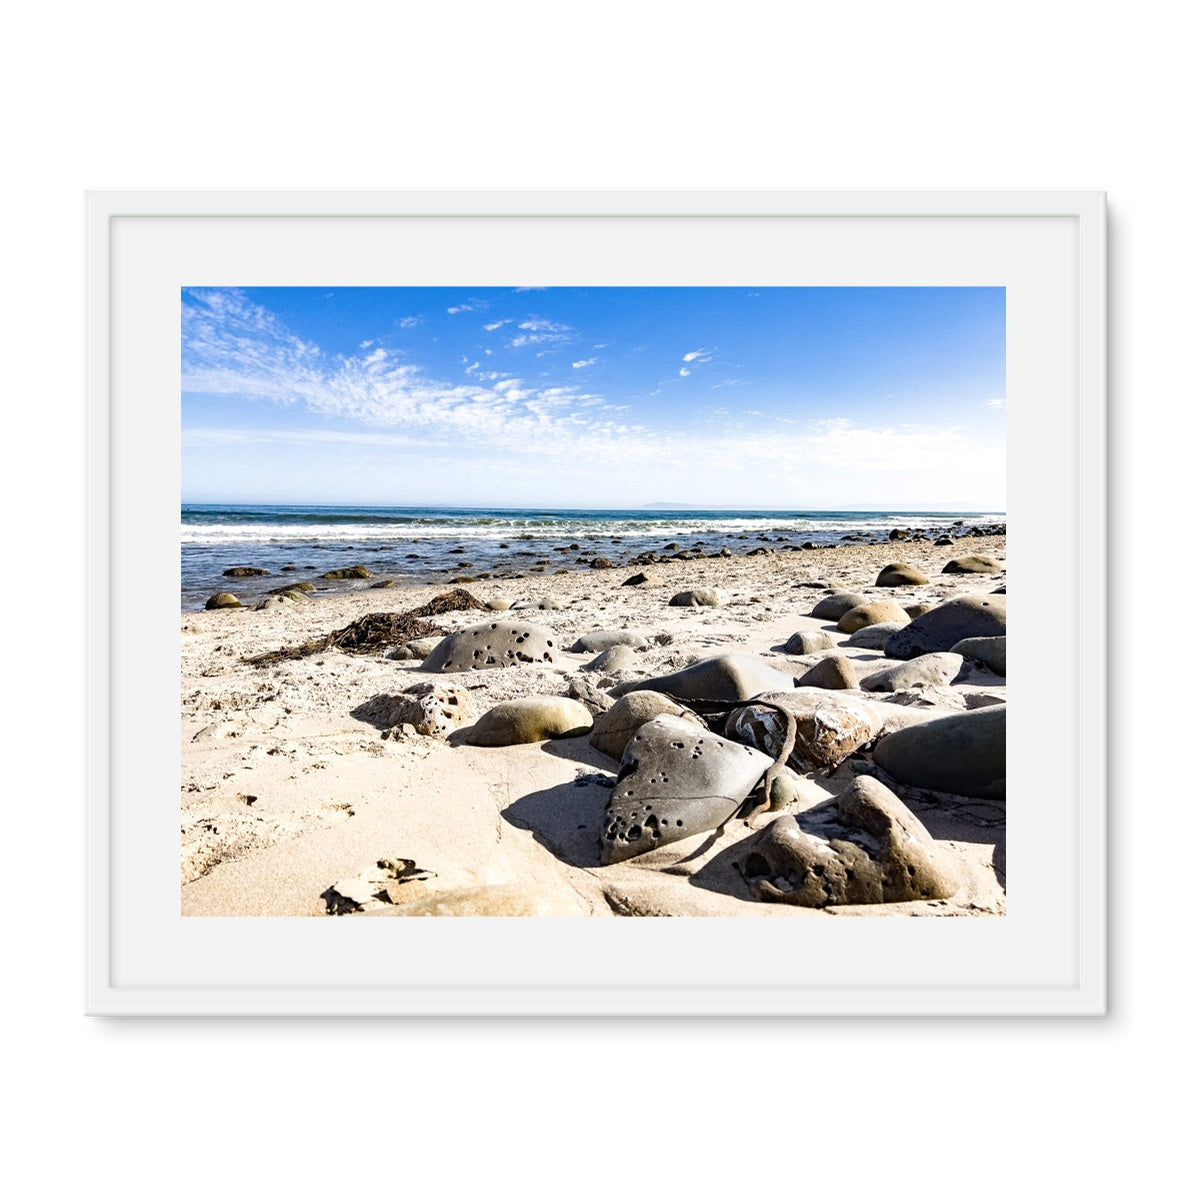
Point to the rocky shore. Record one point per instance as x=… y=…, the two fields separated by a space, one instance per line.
x=785 y=732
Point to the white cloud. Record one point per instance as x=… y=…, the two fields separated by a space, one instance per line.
x=469 y=306
x=409 y=322
x=684 y=371
x=583 y=362
x=496 y=325
x=365 y=345
x=697 y=355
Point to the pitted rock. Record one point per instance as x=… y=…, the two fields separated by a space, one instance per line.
x=492 y=644
x=612 y=730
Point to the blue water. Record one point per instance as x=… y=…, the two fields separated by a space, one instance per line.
x=419 y=545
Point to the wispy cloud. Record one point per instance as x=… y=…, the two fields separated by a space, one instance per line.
x=408 y=322
x=697 y=356
x=469 y=306
x=583 y=362
x=496 y=324
x=538 y=331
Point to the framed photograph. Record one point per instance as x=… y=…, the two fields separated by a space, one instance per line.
x=527 y=561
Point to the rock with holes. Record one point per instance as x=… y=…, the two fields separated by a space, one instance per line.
x=899 y=574
x=872 y=613
x=963 y=754
x=928 y=669
x=675 y=781
x=940 y=628
x=724 y=677
x=988 y=650
x=605 y=639
x=862 y=847
x=832 y=608
x=835 y=673
x=873 y=637
x=973 y=564
x=700 y=597
x=430 y=708
x=809 y=641
x=829 y=726
x=530 y=719
x=493 y=644
x=612 y=730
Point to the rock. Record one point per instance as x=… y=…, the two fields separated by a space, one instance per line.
x=359 y=572
x=944 y=541
x=602 y=564
x=612 y=730
x=644 y=579
x=531 y=719
x=241 y=572
x=918 y=609
x=935 y=669
x=492 y=644
x=835 y=673
x=543 y=605
x=963 y=754
x=724 y=677
x=497 y=605
x=222 y=600
x=832 y=608
x=899 y=574
x=872 y=613
x=873 y=637
x=376 y=886
x=491 y=900
x=418 y=648
x=809 y=641
x=862 y=847
x=301 y=585
x=973 y=564
x=829 y=727
x=988 y=650
x=592 y=643
x=700 y=597
x=939 y=629
x=591 y=697
x=432 y=709
x=675 y=781
x=615 y=658
x=283 y=600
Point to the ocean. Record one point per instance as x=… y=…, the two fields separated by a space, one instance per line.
x=423 y=545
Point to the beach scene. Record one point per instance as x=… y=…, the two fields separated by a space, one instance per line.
x=568 y=601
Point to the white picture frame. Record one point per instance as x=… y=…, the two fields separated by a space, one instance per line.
x=1046 y=956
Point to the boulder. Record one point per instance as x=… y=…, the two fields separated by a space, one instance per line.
x=919 y=609
x=644 y=579
x=612 y=730
x=832 y=608
x=700 y=597
x=940 y=628
x=809 y=641
x=531 y=719
x=724 y=677
x=873 y=637
x=862 y=847
x=835 y=673
x=593 y=643
x=359 y=572
x=675 y=781
x=988 y=650
x=933 y=669
x=963 y=754
x=873 y=613
x=222 y=600
x=242 y=572
x=615 y=658
x=829 y=726
x=601 y=563
x=973 y=564
x=899 y=574
x=492 y=644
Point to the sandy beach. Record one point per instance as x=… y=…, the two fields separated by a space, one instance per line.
x=299 y=796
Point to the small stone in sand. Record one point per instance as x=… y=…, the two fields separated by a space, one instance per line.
x=604 y=639
x=530 y=719
x=700 y=597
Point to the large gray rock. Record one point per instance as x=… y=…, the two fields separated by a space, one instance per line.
x=862 y=847
x=835 y=673
x=934 y=669
x=940 y=628
x=809 y=641
x=675 y=781
x=700 y=597
x=991 y=651
x=832 y=608
x=829 y=726
x=963 y=754
x=492 y=644
x=874 y=612
x=612 y=730
x=724 y=677
x=531 y=719
x=899 y=574
x=605 y=639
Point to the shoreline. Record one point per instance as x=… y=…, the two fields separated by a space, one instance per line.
x=285 y=792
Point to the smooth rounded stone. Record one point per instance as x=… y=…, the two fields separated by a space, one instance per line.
x=833 y=608
x=492 y=644
x=243 y=572
x=591 y=697
x=862 y=847
x=873 y=613
x=644 y=579
x=899 y=574
x=809 y=641
x=490 y=900
x=835 y=673
x=701 y=597
x=418 y=648
x=829 y=727
x=934 y=669
x=359 y=572
x=605 y=639
x=676 y=780
x=301 y=585
x=919 y=609
x=963 y=754
x=542 y=605
x=952 y=621
x=612 y=730
x=973 y=564
x=283 y=600
x=724 y=677
x=222 y=600
x=431 y=709
x=615 y=658
x=988 y=650
x=872 y=637
x=530 y=719
x=498 y=605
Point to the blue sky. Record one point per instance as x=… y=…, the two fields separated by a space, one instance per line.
x=874 y=398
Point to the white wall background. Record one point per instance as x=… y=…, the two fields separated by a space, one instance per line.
x=621 y=95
